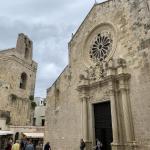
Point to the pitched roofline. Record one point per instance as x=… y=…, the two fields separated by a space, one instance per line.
x=6 y=50
x=86 y=18
x=48 y=89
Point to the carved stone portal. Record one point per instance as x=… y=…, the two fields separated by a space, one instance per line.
x=113 y=76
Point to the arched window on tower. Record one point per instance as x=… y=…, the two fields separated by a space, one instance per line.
x=23 y=81
x=26 y=53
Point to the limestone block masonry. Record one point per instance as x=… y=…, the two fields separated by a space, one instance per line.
x=109 y=62
x=17 y=82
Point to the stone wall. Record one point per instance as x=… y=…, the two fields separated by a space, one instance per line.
x=128 y=22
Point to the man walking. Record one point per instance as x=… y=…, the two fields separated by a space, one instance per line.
x=23 y=143
x=29 y=146
x=47 y=146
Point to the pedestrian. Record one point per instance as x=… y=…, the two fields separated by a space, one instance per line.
x=9 y=145
x=82 y=144
x=16 y=146
x=29 y=145
x=98 y=144
x=47 y=146
x=23 y=143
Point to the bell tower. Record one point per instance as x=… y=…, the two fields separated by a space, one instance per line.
x=24 y=47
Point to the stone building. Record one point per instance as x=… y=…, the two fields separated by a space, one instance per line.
x=104 y=92
x=39 y=112
x=17 y=82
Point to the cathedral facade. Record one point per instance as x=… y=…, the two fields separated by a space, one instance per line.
x=103 y=93
x=17 y=82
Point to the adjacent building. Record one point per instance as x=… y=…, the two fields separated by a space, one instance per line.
x=104 y=91
x=17 y=83
x=39 y=112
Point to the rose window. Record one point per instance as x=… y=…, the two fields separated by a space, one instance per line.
x=101 y=46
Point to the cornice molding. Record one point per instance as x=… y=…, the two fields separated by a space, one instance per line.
x=103 y=82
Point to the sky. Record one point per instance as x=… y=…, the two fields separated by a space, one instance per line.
x=49 y=24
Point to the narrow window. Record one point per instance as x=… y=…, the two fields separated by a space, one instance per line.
x=26 y=52
x=43 y=122
x=23 y=81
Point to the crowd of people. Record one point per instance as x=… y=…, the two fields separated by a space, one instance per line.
x=26 y=144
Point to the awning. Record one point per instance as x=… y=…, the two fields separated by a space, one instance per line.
x=6 y=132
x=34 y=135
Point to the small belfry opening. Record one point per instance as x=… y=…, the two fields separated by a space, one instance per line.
x=26 y=53
x=23 y=80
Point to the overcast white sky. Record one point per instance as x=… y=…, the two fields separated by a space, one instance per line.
x=49 y=24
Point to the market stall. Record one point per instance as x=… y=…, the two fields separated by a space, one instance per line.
x=5 y=137
x=37 y=138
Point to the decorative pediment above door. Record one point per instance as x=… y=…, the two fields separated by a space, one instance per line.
x=102 y=73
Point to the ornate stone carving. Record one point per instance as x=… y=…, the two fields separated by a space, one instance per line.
x=99 y=68
x=121 y=62
x=97 y=72
x=93 y=73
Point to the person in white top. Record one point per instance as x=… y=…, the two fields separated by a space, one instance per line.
x=98 y=145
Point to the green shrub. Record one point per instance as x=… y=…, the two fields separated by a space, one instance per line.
x=33 y=105
x=31 y=97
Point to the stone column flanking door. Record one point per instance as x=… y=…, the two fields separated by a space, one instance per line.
x=127 y=124
x=85 y=126
x=127 y=115
x=85 y=119
x=114 y=116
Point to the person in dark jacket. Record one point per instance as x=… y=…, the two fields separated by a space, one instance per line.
x=23 y=144
x=82 y=144
x=47 y=146
x=9 y=145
